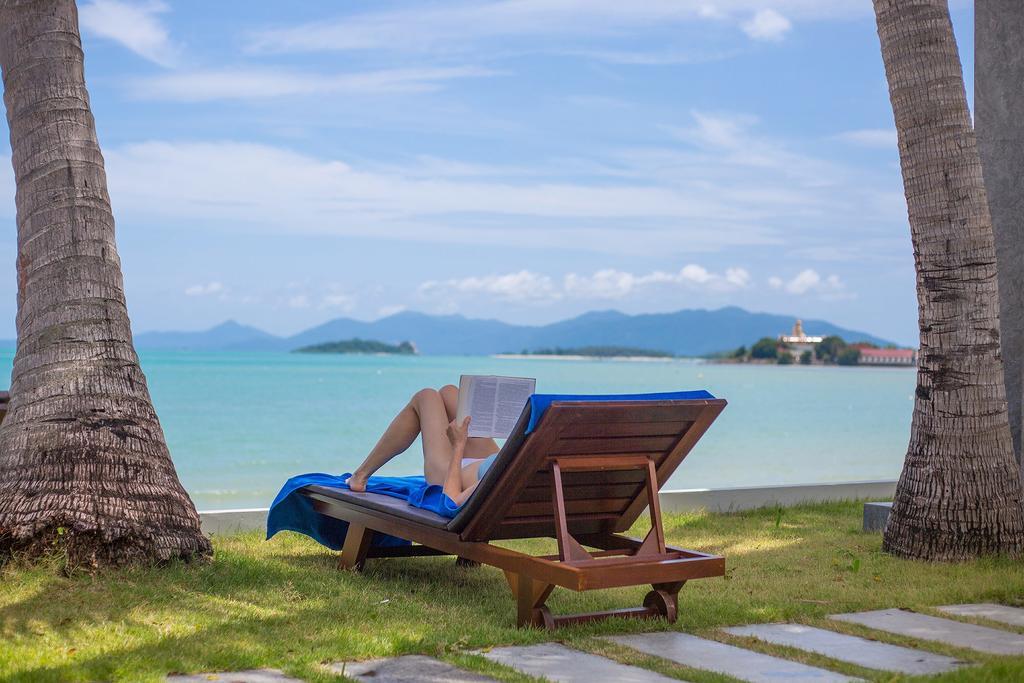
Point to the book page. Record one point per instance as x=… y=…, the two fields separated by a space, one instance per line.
x=481 y=405
x=512 y=395
x=494 y=403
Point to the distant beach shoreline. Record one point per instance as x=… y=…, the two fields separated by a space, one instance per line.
x=631 y=359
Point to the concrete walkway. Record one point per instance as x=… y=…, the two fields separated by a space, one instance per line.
x=746 y=665
x=860 y=651
x=1014 y=616
x=556 y=662
x=957 y=633
x=407 y=669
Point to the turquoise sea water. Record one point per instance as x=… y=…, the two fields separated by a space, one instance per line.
x=239 y=424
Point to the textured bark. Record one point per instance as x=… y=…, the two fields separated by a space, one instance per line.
x=999 y=125
x=959 y=495
x=82 y=454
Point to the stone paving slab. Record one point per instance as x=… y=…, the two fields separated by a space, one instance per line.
x=559 y=663
x=1014 y=616
x=248 y=676
x=746 y=665
x=904 y=623
x=861 y=651
x=407 y=669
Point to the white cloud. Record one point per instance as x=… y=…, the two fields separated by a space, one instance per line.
x=712 y=185
x=453 y=26
x=256 y=175
x=711 y=130
x=767 y=24
x=616 y=284
x=604 y=284
x=386 y=311
x=731 y=141
x=607 y=284
x=664 y=57
x=298 y=301
x=522 y=286
x=738 y=277
x=884 y=138
x=266 y=83
x=810 y=281
x=277 y=189
x=804 y=281
x=204 y=289
x=337 y=300
x=135 y=25
x=694 y=273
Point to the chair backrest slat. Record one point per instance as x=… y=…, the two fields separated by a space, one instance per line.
x=576 y=445
x=520 y=502
x=577 y=491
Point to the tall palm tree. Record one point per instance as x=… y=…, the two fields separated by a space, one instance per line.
x=82 y=454
x=959 y=495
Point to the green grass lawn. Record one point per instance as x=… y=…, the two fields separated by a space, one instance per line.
x=283 y=604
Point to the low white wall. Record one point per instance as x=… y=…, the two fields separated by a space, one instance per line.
x=751 y=498
x=233 y=521
x=688 y=500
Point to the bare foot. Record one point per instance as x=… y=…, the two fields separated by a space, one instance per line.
x=357 y=482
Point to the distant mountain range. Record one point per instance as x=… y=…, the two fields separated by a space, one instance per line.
x=685 y=333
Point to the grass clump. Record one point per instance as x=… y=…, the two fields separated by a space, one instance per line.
x=283 y=604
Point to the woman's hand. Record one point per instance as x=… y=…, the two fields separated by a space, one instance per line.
x=458 y=434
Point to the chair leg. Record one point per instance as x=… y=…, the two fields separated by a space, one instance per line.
x=665 y=599
x=530 y=597
x=356 y=547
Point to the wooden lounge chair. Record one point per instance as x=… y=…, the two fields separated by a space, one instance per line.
x=582 y=476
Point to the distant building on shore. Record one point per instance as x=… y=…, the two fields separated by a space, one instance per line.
x=798 y=341
x=900 y=357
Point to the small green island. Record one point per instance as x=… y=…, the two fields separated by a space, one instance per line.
x=368 y=346
x=597 y=352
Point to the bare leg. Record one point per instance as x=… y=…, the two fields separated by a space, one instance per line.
x=437 y=448
x=476 y=447
x=399 y=435
x=425 y=413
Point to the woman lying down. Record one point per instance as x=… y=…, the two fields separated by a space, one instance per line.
x=451 y=458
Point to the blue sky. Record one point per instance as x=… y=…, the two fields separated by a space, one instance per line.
x=528 y=160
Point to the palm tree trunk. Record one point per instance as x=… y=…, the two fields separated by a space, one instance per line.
x=999 y=125
x=82 y=454
x=960 y=492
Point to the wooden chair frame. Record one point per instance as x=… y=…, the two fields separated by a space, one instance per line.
x=614 y=560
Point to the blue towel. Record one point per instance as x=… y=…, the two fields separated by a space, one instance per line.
x=293 y=512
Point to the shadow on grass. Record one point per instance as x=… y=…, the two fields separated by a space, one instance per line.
x=284 y=609
x=221 y=647
x=285 y=604
x=289 y=611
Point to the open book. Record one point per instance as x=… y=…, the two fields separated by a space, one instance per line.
x=494 y=403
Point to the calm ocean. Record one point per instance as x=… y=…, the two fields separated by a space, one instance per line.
x=239 y=424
